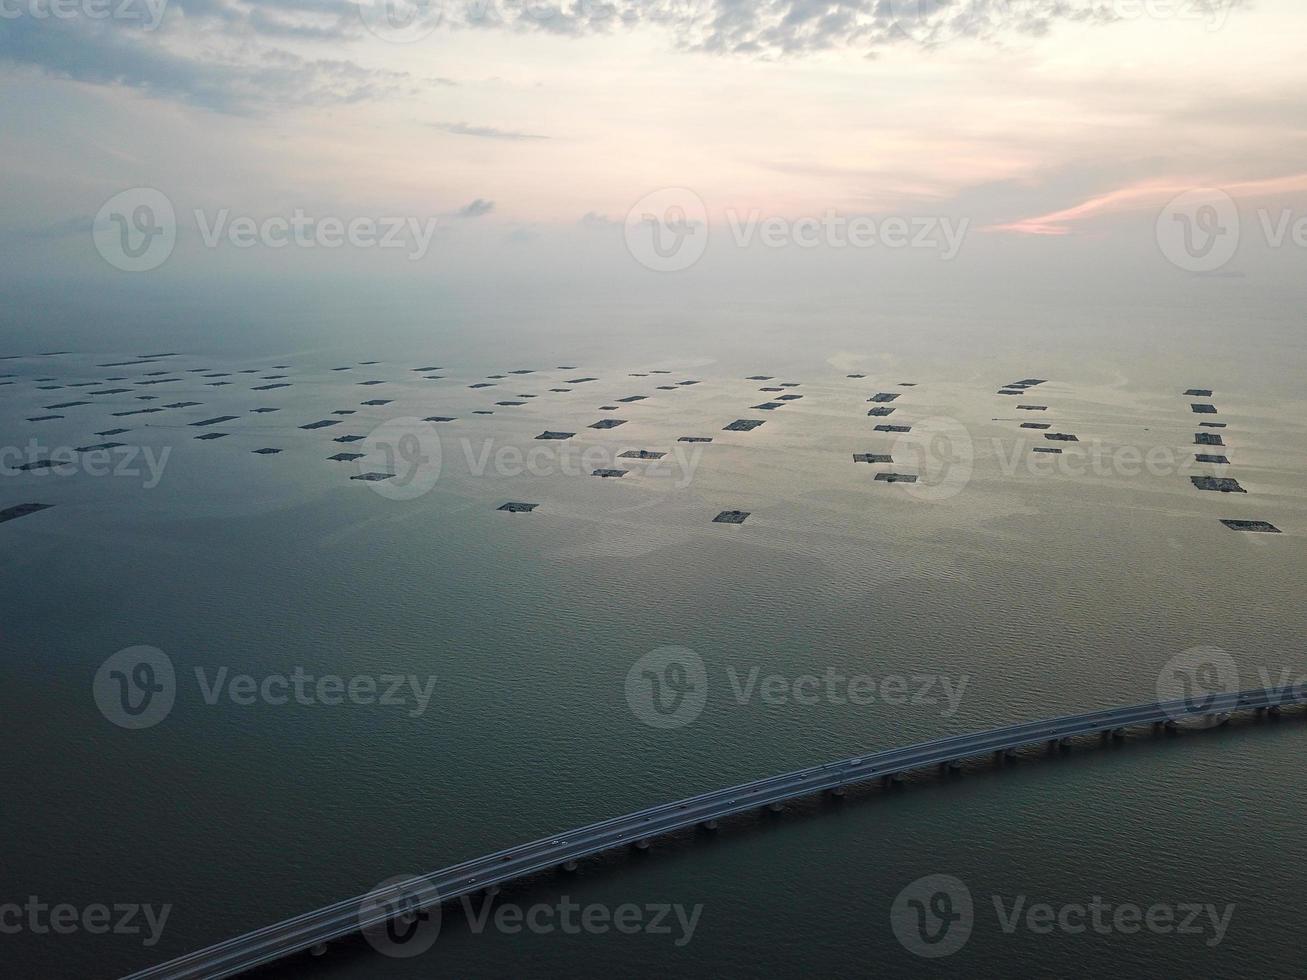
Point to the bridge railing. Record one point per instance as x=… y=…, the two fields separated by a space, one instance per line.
x=342 y=917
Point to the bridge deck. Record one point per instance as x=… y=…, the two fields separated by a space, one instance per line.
x=303 y=932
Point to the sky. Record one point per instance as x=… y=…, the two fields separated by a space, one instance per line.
x=519 y=138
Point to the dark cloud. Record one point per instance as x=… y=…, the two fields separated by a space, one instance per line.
x=230 y=55
x=330 y=20
x=485 y=132
x=210 y=53
x=771 y=28
x=593 y=219
x=476 y=209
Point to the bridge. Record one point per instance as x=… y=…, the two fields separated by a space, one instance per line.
x=313 y=930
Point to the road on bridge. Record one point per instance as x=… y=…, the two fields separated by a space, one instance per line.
x=313 y=929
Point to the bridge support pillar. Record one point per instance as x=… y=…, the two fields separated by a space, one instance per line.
x=492 y=890
x=709 y=825
x=837 y=791
x=1273 y=711
x=569 y=865
x=892 y=779
x=1118 y=733
x=318 y=950
x=953 y=765
x=1258 y=711
x=642 y=844
x=775 y=807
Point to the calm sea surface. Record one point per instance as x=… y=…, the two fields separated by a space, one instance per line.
x=1033 y=586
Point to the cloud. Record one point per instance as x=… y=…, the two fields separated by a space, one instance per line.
x=593 y=219
x=209 y=53
x=232 y=55
x=476 y=209
x=485 y=132
x=320 y=20
x=1148 y=194
x=775 y=28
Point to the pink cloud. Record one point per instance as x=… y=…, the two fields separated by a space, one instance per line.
x=1150 y=194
